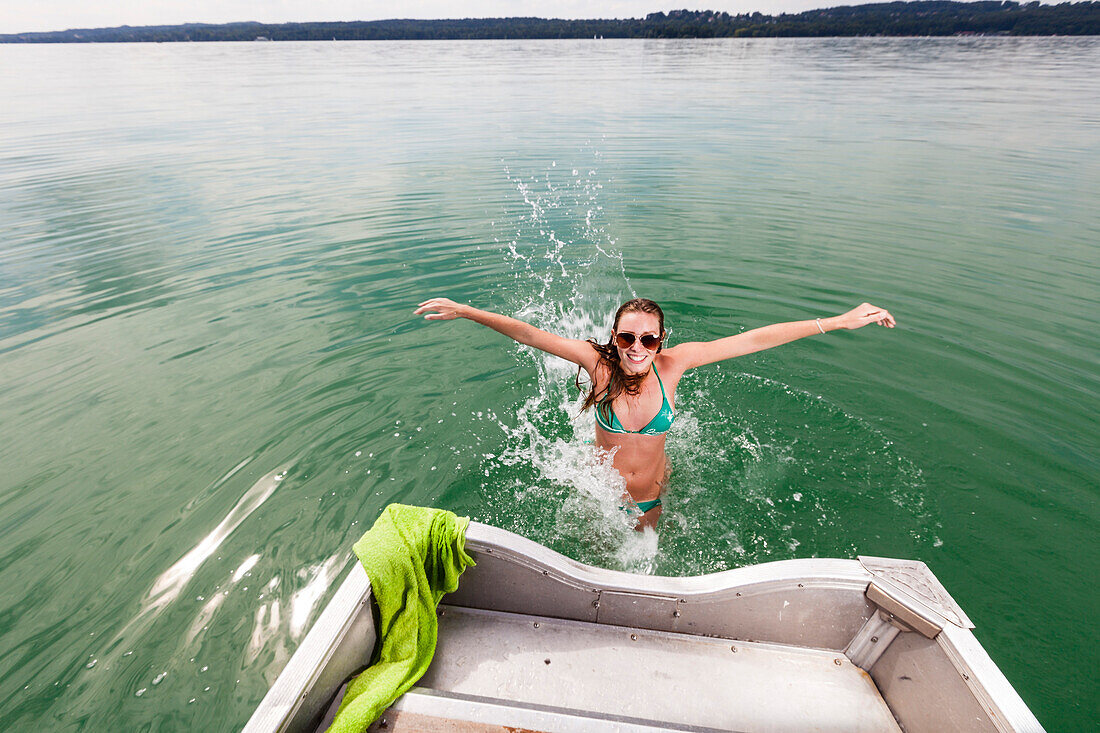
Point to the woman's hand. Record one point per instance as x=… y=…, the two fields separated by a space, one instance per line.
x=440 y=309
x=863 y=314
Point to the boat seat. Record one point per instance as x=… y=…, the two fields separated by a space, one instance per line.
x=497 y=671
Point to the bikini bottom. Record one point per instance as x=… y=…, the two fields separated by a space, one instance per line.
x=643 y=506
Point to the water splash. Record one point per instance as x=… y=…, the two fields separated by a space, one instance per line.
x=761 y=471
x=568 y=278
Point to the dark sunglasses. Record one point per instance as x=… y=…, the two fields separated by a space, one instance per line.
x=625 y=339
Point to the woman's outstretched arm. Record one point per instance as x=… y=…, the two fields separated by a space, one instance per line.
x=574 y=350
x=696 y=354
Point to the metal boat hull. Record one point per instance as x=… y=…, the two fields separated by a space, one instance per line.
x=534 y=640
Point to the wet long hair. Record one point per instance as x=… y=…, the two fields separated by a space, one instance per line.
x=620 y=381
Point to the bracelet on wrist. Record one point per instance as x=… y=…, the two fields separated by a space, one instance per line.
x=819 y=328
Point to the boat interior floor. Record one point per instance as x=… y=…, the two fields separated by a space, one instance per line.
x=496 y=671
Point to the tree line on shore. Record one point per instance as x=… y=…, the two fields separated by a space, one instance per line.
x=923 y=18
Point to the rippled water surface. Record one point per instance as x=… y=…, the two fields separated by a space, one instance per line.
x=211 y=382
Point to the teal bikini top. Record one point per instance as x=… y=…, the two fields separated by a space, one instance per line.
x=659 y=425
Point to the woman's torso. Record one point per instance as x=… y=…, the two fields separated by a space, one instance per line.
x=640 y=458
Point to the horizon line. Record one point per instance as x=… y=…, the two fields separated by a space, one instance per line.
x=512 y=17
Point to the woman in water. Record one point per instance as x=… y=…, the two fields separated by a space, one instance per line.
x=633 y=378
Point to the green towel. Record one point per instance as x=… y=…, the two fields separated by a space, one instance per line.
x=413 y=556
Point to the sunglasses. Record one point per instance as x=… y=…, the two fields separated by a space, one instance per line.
x=625 y=339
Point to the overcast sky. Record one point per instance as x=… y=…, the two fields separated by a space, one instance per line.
x=53 y=15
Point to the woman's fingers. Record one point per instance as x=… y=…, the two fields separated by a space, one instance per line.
x=883 y=318
x=867 y=313
x=437 y=309
x=436 y=303
x=877 y=315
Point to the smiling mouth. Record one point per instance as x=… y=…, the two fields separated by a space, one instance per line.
x=636 y=359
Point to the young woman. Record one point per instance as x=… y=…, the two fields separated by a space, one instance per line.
x=633 y=378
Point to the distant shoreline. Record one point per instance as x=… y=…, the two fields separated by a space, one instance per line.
x=924 y=18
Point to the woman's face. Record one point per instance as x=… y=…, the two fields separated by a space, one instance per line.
x=636 y=358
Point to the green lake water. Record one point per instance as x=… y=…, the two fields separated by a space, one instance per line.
x=211 y=382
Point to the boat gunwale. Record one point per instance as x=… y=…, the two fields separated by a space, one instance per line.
x=824 y=572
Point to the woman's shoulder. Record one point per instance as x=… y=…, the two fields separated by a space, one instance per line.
x=601 y=375
x=670 y=368
x=666 y=362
